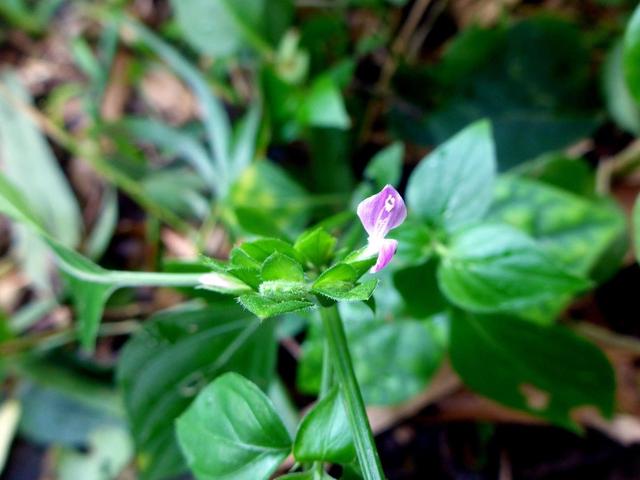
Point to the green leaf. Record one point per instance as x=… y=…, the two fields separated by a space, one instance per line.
x=509 y=361
x=275 y=192
x=496 y=268
x=621 y=105
x=338 y=274
x=255 y=253
x=30 y=165
x=264 y=307
x=574 y=230
x=323 y=105
x=281 y=267
x=631 y=55
x=536 y=103
x=341 y=292
x=394 y=358
x=324 y=433
x=316 y=246
x=164 y=366
x=232 y=431
x=414 y=243
x=386 y=166
x=239 y=24
x=418 y=286
x=453 y=185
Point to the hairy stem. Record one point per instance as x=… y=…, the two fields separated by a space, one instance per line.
x=362 y=434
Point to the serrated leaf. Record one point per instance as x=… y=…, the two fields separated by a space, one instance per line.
x=164 y=366
x=316 y=246
x=281 y=267
x=324 y=433
x=482 y=347
x=496 y=268
x=232 y=431
x=453 y=185
x=264 y=307
x=260 y=250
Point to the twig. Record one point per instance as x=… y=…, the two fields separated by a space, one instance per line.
x=624 y=162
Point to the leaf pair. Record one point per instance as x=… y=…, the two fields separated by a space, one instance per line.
x=232 y=431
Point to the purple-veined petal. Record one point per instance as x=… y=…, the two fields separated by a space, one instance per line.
x=382 y=212
x=386 y=252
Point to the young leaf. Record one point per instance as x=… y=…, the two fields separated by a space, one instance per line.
x=508 y=360
x=495 y=268
x=385 y=168
x=232 y=431
x=316 y=246
x=281 y=267
x=631 y=55
x=263 y=307
x=453 y=185
x=324 y=433
x=323 y=105
x=341 y=291
x=620 y=104
x=164 y=366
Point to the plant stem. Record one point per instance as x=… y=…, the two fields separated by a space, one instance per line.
x=356 y=412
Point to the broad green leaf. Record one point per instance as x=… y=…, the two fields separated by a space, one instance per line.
x=232 y=432
x=264 y=307
x=496 y=268
x=278 y=196
x=323 y=105
x=414 y=242
x=394 y=358
x=453 y=185
x=239 y=24
x=418 y=286
x=324 y=433
x=536 y=103
x=574 y=230
x=316 y=246
x=547 y=371
x=386 y=166
x=164 y=366
x=570 y=174
x=281 y=267
x=631 y=55
x=621 y=105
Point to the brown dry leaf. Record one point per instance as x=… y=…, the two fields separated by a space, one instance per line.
x=480 y=12
x=117 y=91
x=178 y=245
x=168 y=96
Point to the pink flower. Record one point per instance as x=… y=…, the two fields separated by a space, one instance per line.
x=380 y=214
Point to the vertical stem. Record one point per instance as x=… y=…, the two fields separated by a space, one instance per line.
x=362 y=434
x=325 y=386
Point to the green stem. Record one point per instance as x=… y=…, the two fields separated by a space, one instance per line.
x=325 y=385
x=354 y=404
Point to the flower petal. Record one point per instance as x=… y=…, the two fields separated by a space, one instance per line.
x=387 y=250
x=382 y=212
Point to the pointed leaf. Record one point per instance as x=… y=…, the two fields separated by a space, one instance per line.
x=232 y=431
x=324 y=433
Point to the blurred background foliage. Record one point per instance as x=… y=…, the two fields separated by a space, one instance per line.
x=142 y=133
